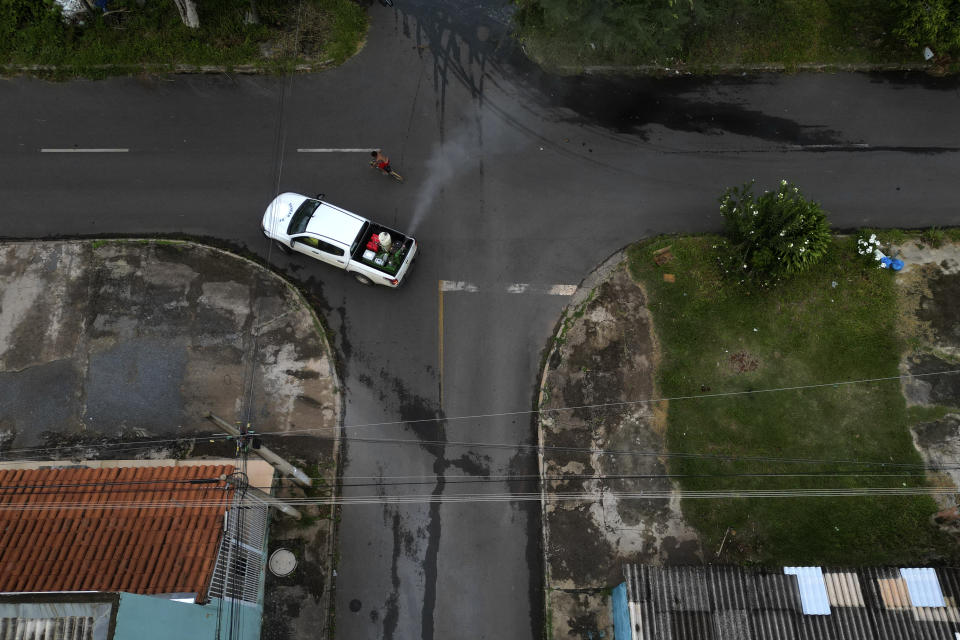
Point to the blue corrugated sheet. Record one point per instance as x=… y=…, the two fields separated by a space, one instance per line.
x=813 y=590
x=923 y=587
x=621 y=613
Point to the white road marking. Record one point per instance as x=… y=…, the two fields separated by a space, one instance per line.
x=84 y=150
x=516 y=287
x=857 y=145
x=367 y=150
x=460 y=285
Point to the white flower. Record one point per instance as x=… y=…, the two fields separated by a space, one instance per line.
x=745 y=266
x=783 y=183
x=783 y=233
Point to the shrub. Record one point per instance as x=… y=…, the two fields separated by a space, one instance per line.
x=934 y=23
x=774 y=236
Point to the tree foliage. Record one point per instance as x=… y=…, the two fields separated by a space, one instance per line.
x=932 y=23
x=653 y=28
x=774 y=236
x=35 y=22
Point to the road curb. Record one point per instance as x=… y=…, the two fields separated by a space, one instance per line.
x=185 y=69
x=593 y=279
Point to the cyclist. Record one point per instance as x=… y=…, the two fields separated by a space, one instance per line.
x=380 y=161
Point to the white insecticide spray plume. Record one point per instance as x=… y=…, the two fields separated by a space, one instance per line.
x=458 y=155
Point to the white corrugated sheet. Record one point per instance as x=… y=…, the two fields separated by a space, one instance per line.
x=813 y=590
x=924 y=587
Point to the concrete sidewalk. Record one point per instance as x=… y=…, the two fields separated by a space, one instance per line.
x=116 y=349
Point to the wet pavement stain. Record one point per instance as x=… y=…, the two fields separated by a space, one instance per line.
x=942 y=309
x=392 y=615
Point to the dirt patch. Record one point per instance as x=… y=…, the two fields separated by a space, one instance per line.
x=742 y=362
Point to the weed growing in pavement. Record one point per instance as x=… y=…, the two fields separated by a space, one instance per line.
x=934 y=237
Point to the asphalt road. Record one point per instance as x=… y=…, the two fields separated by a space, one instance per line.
x=513 y=177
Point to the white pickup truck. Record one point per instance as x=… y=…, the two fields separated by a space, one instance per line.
x=373 y=253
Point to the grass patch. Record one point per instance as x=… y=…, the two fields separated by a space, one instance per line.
x=717 y=338
x=152 y=35
x=728 y=32
x=919 y=414
x=793 y=32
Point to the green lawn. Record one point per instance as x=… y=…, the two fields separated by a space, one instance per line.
x=567 y=33
x=717 y=337
x=152 y=35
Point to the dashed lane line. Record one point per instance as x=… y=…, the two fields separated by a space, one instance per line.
x=76 y=150
x=516 y=287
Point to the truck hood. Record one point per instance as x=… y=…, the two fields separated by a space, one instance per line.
x=278 y=213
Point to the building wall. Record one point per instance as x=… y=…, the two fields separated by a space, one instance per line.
x=152 y=618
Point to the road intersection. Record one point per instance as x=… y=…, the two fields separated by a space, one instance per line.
x=517 y=182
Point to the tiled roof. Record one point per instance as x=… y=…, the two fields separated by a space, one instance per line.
x=81 y=529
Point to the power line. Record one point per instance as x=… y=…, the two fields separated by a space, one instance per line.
x=201 y=484
x=218 y=436
x=604 y=405
x=536 y=448
x=647 y=453
x=581 y=496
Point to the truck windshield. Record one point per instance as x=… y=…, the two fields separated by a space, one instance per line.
x=298 y=223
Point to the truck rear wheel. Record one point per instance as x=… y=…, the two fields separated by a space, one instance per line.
x=362 y=279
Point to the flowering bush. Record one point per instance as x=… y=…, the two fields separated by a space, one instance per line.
x=768 y=238
x=870 y=248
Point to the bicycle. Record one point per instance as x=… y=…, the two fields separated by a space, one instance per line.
x=388 y=171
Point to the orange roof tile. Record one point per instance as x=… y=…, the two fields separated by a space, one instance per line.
x=112 y=529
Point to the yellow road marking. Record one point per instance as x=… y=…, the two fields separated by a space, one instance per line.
x=440 y=337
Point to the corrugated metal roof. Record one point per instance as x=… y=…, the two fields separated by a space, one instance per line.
x=843 y=589
x=923 y=587
x=736 y=603
x=68 y=628
x=813 y=590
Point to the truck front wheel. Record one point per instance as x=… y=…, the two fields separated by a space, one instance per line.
x=282 y=246
x=362 y=279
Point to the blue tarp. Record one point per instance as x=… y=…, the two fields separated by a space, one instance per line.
x=621 y=613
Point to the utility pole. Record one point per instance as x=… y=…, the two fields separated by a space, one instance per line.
x=282 y=465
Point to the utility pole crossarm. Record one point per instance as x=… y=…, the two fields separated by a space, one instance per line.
x=281 y=465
